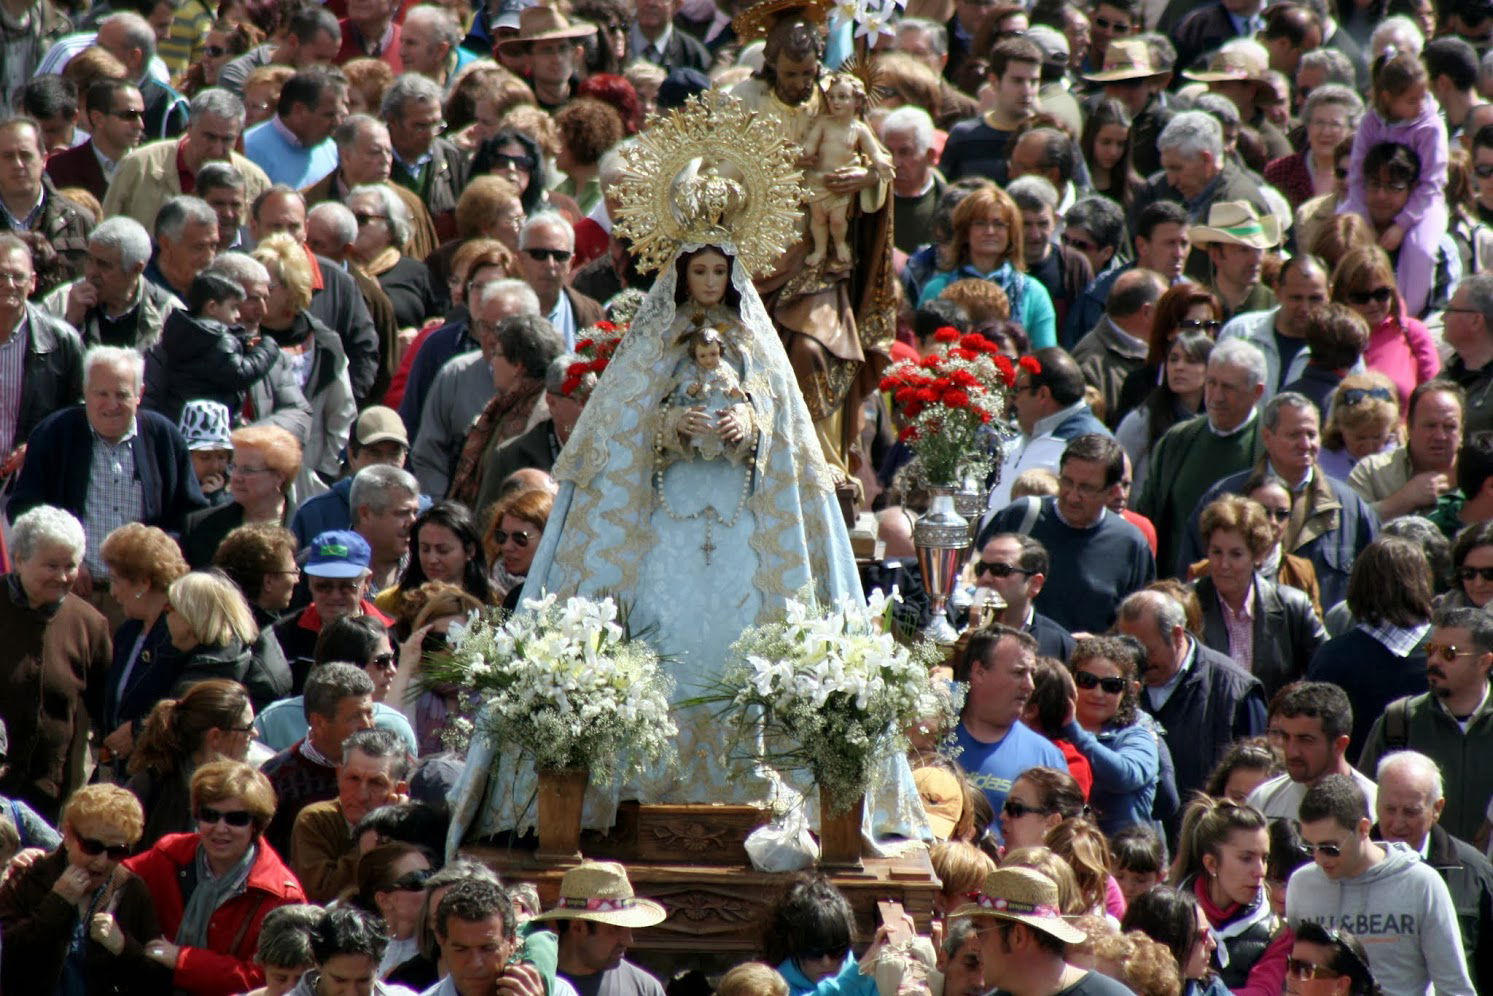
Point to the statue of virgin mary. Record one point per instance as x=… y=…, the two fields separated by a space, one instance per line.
x=694 y=489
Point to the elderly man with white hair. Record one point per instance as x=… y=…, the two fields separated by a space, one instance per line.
x=112 y=304
x=109 y=463
x=53 y=660
x=1408 y=811
x=431 y=167
x=907 y=132
x=463 y=387
x=1196 y=174
x=546 y=245
x=430 y=45
x=366 y=155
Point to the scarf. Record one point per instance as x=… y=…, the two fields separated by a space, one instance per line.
x=504 y=417
x=382 y=263
x=211 y=892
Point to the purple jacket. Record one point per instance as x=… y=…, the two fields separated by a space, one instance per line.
x=1426 y=134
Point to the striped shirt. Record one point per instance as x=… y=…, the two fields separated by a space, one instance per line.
x=12 y=376
x=114 y=495
x=1241 y=629
x=186 y=37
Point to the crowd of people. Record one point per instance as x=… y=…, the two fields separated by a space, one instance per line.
x=292 y=302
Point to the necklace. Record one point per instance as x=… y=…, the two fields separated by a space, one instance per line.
x=708 y=513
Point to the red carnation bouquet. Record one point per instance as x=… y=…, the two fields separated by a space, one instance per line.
x=595 y=346
x=952 y=404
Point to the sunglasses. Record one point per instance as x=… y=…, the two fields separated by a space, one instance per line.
x=128 y=115
x=1483 y=170
x=1446 y=652
x=383 y=661
x=364 y=218
x=558 y=255
x=1016 y=809
x=1088 y=680
x=503 y=160
x=1327 y=849
x=1358 y=395
x=985 y=567
x=1473 y=573
x=411 y=881
x=1379 y=295
x=1304 y=971
x=93 y=848
x=233 y=817
x=519 y=537
x=1211 y=326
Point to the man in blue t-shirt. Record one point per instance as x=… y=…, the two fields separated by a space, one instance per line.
x=995 y=747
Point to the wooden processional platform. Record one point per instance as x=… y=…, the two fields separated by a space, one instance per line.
x=692 y=860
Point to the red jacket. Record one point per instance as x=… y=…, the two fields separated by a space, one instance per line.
x=226 y=965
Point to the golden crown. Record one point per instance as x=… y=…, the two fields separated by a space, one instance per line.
x=710 y=173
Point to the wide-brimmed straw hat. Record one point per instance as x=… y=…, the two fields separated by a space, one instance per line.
x=1237 y=223
x=1025 y=896
x=545 y=24
x=600 y=891
x=1233 y=62
x=1126 y=59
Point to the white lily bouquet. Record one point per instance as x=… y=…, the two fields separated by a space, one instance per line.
x=831 y=690
x=563 y=684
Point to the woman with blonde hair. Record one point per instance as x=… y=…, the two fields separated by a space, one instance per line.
x=314 y=352
x=987 y=245
x=1400 y=345
x=143 y=563
x=1363 y=419
x=212 y=721
x=76 y=919
x=266 y=463
x=210 y=932
x=215 y=636
x=1083 y=846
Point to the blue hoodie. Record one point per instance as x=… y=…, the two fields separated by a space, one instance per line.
x=849 y=981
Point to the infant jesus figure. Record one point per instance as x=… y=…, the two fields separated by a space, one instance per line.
x=838 y=139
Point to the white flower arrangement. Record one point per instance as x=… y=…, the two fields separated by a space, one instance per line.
x=562 y=684
x=831 y=690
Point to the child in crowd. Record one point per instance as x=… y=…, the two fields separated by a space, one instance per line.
x=201 y=354
x=1403 y=111
x=205 y=427
x=1139 y=861
x=285 y=947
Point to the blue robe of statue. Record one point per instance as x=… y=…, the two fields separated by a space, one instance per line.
x=697 y=540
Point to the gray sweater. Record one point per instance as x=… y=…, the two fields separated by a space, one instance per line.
x=1403 y=913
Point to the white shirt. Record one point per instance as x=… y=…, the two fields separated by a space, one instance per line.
x=1280 y=797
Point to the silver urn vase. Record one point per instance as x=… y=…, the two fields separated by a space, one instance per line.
x=941 y=538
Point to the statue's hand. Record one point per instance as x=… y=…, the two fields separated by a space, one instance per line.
x=732 y=425
x=849 y=180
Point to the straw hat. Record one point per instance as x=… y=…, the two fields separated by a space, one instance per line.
x=544 y=24
x=1025 y=896
x=1126 y=59
x=600 y=891
x=1237 y=223
x=1233 y=62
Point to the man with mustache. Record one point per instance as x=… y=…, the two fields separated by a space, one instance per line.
x=1453 y=722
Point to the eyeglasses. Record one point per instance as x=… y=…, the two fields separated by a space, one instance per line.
x=233 y=817
x=364 y=217
x=1327 y=849
x=503 y=160
x=241 y=470
x=93 y=848
x=128 y=115
x=1088 y=680
x=519 y=537
x=215 y=51
x=1016 y=809
x=293 y=572
x=1085 y=490
x=984 y=567
x=1447 y=652
x=1379 y=295
x=383 y=661
x=1473 y=573
x=1212 y=326
x=1304 y=971
x=411 y=881
x=558 y=255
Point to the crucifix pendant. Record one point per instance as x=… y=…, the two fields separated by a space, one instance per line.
x=707 y=547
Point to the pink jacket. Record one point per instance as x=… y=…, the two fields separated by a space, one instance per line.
x=1402 y=349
